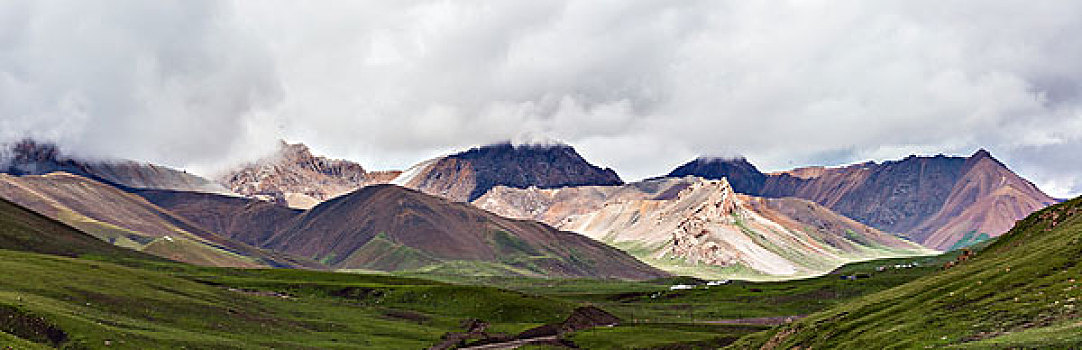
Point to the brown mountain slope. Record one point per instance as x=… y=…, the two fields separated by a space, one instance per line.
x=702 y=228
x=126 y=220
x=987 y=201
x=31 y=158
x=893 y=196
x=467 y=175
x=386 y=227
x=950 y=198
x=293 y=176
x=246 y=220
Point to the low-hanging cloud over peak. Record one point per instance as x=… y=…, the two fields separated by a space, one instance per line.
x=640 y=86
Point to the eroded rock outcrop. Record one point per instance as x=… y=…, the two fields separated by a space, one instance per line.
x=295 y=177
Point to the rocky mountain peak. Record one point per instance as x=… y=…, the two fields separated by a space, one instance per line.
x=294 y=176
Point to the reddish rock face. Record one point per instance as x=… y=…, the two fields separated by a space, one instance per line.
x=935 y=200
x=466 y=176
x=295 y=177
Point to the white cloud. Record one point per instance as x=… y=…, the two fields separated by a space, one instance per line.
x=639 y=86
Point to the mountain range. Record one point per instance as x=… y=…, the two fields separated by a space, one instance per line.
x=693 y=226
x=942 y=202
x=391 y=228
x=477 y=211
x=85 y=252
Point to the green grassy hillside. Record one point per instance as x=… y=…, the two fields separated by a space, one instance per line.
x=1021 y=291
x=98 y=304
x=22 y=229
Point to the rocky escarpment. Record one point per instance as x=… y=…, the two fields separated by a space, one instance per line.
x=467 y=175
x=938 y=201
x=295 y=177
x=692 y=239
x=29 y=157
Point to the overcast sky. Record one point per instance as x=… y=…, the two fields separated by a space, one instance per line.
x=639 y=86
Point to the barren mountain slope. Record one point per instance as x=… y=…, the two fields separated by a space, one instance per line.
x=386 y=227
x=986 y=201
x=247 y=220
x=701 y=227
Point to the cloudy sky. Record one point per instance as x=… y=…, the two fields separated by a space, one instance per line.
x=640 y=86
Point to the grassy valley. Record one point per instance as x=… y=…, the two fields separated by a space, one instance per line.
x=95 y=295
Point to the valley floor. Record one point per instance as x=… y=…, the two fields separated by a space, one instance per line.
x=91 y=303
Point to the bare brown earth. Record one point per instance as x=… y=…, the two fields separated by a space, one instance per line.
x=989 y=198
x=295 y=177
x=934 y=200
x=678 y=224
x=243 y=219
x=127 y=220
x=467 y=175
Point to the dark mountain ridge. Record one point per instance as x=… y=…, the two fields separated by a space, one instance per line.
x=468 y=175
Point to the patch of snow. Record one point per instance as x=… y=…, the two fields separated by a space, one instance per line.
x=411 y=173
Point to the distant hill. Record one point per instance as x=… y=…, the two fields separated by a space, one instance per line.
x=29 y=157
x=390 y=228
x=692 y=226
x=129 y=221
x=386 y=227
x=1022 y=291
x=467 y=175
x=246 y=220
x=941 y=202
x=295 y=177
